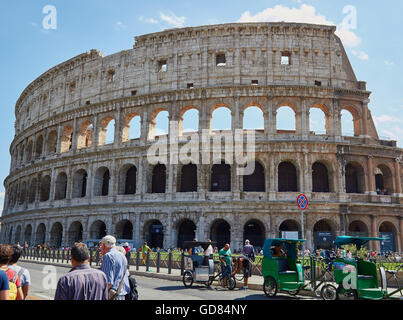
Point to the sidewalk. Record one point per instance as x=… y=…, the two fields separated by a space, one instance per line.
x=255 y=282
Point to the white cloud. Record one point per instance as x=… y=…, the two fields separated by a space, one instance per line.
x=361 y=55
x=119 y=26
x=148 y=20
x=304 y=14
x=172 y=19
x=389 y=63
x=386 y=119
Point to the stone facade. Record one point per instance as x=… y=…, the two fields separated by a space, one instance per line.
x=68 y=183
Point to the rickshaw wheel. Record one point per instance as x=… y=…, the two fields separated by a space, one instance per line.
x=270 y=287
x=350 y=294
x=209 y=282
x=187 y=279
x=231 y=283
x=329 y=292
x=294 y=293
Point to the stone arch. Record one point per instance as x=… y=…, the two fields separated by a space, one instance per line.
x=158 y=183
x=289 y=225
x=255 y=182
x=388 y=230
x=254 y=231
x=358 y=228
x=98 y=230
x=80 y=183
x=67 y=139
x=56 y=235
x=10 y=235
x=85 y=135
x=287 y=177
x=75 y=232
x=286 y=110
x=159 y=120
x=253 y=117
x=45 y=188
x=28 y=156
x=101 y=181
x=40 y=235
x=17 y=237
x=153 y=233
x=320 y=178
x=61 y=186
x=354 y=176
x=51 y=143
x=221 y=177
x=39 y=146
x=323 y=234
x=124 y=230
x=188 y=178
x=28 y=234
x=384 y=180
x=222 y=112
x=189 y=120
x=127 y=179
x=131 y=129
x=324 y=110
x=220 y=232
x=186 y=232
x=33 y=186
x=106 y=132
x=356 y=119
x=23 y=193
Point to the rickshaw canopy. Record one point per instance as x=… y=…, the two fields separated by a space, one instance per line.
x=290 y=244
x=358 y=241
x=193 y=244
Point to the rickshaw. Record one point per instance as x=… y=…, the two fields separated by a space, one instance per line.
x=355 y=278
x=282 y=273
x=200 y=268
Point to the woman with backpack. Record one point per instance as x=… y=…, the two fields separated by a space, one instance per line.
x=6 y=253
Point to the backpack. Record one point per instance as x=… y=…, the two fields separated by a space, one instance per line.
x=133 y=294
x=13 y=287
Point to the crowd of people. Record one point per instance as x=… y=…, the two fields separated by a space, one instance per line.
x=111 y=282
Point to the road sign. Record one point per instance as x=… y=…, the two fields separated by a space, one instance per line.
x=302 y=202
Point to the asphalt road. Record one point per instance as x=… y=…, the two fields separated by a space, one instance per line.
x=44 y=281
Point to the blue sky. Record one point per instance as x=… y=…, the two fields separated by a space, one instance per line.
x=374 y=47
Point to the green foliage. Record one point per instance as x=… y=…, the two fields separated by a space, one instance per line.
x=362 y=253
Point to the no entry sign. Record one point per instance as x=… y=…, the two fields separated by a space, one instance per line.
x=302 y=202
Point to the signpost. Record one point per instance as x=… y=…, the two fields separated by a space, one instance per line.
x=302 y=202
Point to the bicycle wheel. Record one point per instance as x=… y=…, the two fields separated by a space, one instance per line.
x=270 y=287
x=231 y=283
x=187 y=279
x=329 y=292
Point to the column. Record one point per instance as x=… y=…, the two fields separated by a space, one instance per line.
x=95 y=132
x=374 y=233
x=118 y=128
x=370 y=186
x=75 y=136
x=364 y=125
x=398 y=189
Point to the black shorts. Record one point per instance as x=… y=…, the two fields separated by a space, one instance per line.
x=247 y=268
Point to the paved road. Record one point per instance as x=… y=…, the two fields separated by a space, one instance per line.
x=43 y=287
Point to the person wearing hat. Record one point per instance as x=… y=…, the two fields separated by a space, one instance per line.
x=248 y=252
x=127 y=249
x=114 y=265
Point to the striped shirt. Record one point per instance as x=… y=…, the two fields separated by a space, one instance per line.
x=82 y=283
x=114 y=265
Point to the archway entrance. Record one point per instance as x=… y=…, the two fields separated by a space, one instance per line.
x=220 y=233
x=289 y=229
x=186 y=232
x=124 y=230
x=56 y=235
x=154 y=234
x=358 y=228
x=75 y=233
x=98 y=230
x=254 y=231
x=323 y=235
x=387 y=231
x=40 y=234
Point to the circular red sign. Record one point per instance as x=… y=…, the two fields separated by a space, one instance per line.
x=302 y=202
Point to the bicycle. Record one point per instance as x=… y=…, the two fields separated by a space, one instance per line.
x=230 y=279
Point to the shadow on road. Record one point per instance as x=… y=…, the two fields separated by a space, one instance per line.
x=173 y=288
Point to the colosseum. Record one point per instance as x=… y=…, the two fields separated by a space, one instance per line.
x=79 y=166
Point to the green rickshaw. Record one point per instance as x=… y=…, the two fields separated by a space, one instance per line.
x=355 y=278
x=284 y=272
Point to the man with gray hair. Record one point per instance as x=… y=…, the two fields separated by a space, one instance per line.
x=114 y=265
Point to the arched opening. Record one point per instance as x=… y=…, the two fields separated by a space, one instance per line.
x=23 y=193
x=40 y=234
x=255 y=182
x=387 y=231
x=154 y=234
x=98 y=230
x=189 y=122
x=286 y=121
x=127 y=179
x=320 y=178
x=220 y=233
x=80 y=184
x=39 y=147
x=134 y=127
x=221 y=119
x=75 y=233
x=323 y=235
x=101 y=182
x=61 y=186
x=28 y=234
x=186 y=232
x=107 y=131
x=287 y=177
x=159 y=179
x=10 y=236
x=45 y=189
x=254 y=231
x=253 y=118
x=384 y=180
x=28 y=155
x=221 y=177
x=188 y=178
x=124 y=230
x=85 y=135
x=67 y=139
x=347 y=124
x=358 y=228
x=354 y=175
x=56 y=235
x=52 y=142
x=318 y=121
x=17 y=237
x=289 y=229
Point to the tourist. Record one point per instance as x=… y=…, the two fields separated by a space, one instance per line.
x=226 y=266
x=6 y=253
x=82 y=282
x=114 y=265
x=23 y=274
x=128 y=254
x=249 y=257
x=4 y=286
x=144 y=250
